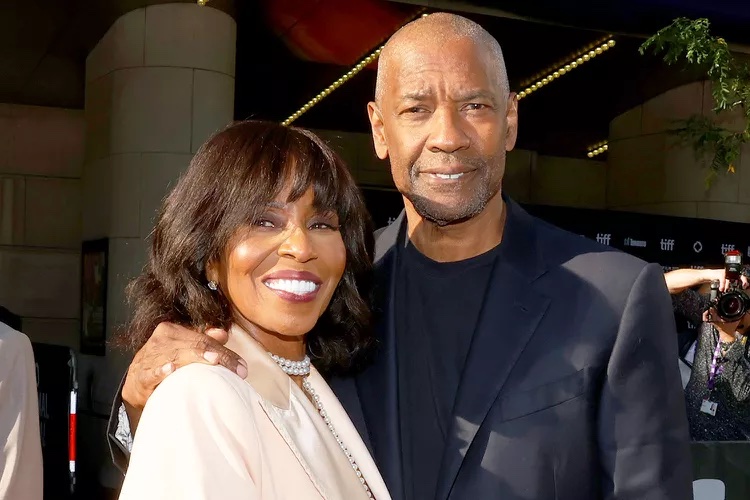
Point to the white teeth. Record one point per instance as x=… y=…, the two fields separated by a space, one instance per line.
x=448 y=176
x=297 y=287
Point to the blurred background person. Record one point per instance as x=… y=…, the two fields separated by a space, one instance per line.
x=718 y=391
x=21 y=449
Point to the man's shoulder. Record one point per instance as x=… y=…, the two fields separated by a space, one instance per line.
x=573 y=260
x=561 y=244
x=13 y=343
x=16 y=355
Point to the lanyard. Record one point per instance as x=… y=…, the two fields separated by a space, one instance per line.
x=716 y=369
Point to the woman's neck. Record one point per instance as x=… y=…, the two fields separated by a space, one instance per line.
x=288 y=347
x=292 y=348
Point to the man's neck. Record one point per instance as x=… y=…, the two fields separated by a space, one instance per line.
x=460 y=241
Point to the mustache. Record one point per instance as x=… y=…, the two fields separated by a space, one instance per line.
x=447 y=159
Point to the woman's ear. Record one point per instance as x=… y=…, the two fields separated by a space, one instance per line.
x=212 y=271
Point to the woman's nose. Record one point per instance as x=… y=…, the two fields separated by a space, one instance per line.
x=297 y=245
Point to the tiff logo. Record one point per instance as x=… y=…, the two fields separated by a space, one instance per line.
x=603 y=238
x=726 y=248
x=630 y=242
x=667 y=245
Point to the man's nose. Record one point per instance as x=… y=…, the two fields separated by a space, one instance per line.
x=447 y=134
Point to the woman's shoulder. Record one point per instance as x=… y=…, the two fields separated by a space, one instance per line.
x=199 y=384
x=198 y=418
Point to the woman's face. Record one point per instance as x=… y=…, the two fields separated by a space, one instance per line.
x=279 y=274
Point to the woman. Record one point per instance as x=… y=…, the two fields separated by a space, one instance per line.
x=266 y=235
x=718 y=392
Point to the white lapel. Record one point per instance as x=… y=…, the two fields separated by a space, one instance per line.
x=350 y=437
x=304 y=430
x=279 y=417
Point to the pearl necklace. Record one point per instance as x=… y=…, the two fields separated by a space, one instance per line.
x=303 y=368
x=293 y=367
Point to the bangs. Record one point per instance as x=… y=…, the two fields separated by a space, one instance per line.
x=317 y=169
x=273 y=160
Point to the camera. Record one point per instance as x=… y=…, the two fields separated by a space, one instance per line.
x=733 y=303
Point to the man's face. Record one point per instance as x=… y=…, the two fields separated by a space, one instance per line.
x=446 y=124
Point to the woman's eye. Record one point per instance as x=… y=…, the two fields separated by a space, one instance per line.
x=324 y=225
x=264 y=223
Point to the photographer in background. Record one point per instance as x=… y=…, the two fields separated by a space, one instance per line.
x=718 y=392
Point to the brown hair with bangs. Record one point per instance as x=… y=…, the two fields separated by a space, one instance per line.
x=228 y=184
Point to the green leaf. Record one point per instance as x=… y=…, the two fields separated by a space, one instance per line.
x=690 y=42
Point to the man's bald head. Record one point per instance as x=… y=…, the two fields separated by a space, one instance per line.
x=434 y=30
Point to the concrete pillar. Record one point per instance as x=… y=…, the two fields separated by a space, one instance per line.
x=649 y=172
x=158 y=83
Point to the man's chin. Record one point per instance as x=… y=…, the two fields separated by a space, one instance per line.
x=444 y=216
x=448 y=208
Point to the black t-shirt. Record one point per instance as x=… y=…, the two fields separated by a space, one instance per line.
x=437 y=308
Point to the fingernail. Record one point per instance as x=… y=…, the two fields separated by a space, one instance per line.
x=211 y=357
x=166 y=369
x=241 y=370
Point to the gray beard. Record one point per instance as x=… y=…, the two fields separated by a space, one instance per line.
x=442 y=215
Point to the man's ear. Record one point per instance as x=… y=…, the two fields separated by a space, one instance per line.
x=378 y=132
x=511 y=122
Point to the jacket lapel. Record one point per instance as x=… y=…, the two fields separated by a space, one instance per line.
x=345 y=389
x=377 y=386
x=351 y=437
x=281 y=420
x=510 y=314
x=274 y=388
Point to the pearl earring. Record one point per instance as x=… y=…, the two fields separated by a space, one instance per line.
x=212 y=285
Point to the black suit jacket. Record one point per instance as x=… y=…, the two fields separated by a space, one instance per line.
x=571 y=388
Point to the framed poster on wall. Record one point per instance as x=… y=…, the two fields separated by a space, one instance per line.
x=94 y=255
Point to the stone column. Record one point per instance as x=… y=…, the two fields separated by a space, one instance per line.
x=158 y=83
x=649 y=172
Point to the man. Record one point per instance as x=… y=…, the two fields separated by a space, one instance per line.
x=517 y=360
x=20 y=445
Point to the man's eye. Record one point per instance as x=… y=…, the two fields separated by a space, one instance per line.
x=475 y=106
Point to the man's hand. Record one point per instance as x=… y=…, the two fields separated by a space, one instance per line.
x=169 y=348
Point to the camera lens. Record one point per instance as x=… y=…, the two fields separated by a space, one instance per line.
x=731 y=306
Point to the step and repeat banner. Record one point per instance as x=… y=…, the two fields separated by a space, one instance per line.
x=670 y=241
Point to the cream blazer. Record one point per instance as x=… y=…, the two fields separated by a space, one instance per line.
x=20 y=447
x=207 y=434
